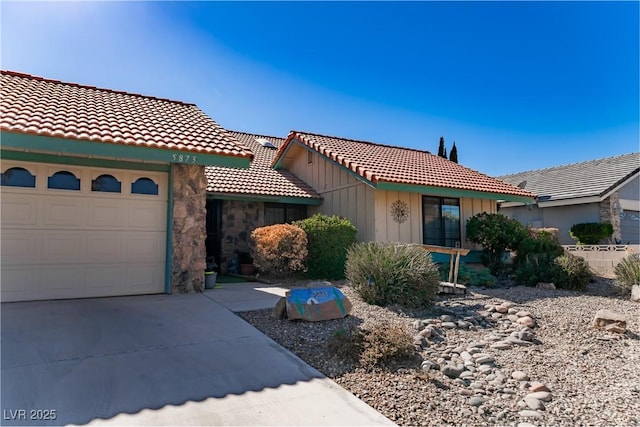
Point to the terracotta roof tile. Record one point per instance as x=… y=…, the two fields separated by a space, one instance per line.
x=39 y=106
x=260 y=179
x=385 y=163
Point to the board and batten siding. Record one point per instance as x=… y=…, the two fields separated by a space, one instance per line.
x=343 y=194
x=410 y=231
x=370 y=209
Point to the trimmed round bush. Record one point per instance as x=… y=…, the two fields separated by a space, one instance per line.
x=385 y=273
x=591 y=233
x=329 y=238
x=571 y=272
x=279 y=250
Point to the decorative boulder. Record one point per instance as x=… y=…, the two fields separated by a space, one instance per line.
x=635 y=293
x=611 y=321
x=316 y=304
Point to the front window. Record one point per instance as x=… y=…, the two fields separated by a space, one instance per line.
x=280 y=213
x=441 y=221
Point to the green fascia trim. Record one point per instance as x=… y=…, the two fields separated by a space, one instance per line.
x=346 y=169
x=270 y=199
x=449 y=192
x=92 y=148
x=81 y=161
x=169 y=245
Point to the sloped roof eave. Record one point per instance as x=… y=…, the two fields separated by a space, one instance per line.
x=454 y=192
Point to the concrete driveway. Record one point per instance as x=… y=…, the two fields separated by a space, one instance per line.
x=158 y=360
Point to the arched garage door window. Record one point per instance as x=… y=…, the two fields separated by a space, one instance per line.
x=106 y=183
x=144 y=186
x=18 y=177
x=63 y=180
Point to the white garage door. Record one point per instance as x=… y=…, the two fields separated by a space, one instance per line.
x=79 y=232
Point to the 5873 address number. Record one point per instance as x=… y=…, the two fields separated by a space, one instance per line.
x=183 y=158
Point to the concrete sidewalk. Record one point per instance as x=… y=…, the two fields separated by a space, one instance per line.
x=160 y=360
x=246 y=296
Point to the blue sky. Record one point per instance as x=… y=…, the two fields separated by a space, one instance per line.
x=517 y=85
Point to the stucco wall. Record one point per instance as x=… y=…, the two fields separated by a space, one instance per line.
x=560 y=217
x=631 y=191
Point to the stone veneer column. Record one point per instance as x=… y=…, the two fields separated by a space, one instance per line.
x=189 y=228
x=239 y=219
x=610 y=212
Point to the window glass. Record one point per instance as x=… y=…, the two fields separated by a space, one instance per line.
x=144 y=186
x=280 y=213
x=441 y=221
x=18 y=177
x=106 y=183
x=63 y=180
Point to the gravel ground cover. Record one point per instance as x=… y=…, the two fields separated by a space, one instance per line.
x=505 y=356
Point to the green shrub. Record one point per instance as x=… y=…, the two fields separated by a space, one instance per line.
x=497 y=234
x=329 y=238
x=470 y=277
x=535 y=258
x=538 y=244
x=573 y=272
x=591 y=233
x=379 y=346
x=279 y=250
x=484 y=278
x=386 y=273
x=628 y=272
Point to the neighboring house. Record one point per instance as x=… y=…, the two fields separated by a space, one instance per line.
x=595 y=191
x=103 y=192
x=240 y=200
x=393 y=193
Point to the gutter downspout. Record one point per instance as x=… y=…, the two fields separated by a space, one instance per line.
x=169 y=243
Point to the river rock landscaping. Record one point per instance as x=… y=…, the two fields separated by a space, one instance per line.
x=515 y=356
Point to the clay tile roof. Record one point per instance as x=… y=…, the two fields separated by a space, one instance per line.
x=585 y=179
x=385 y=163
x=260 y=179
x=39 y=106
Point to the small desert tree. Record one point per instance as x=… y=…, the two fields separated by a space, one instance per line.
x=497 y=234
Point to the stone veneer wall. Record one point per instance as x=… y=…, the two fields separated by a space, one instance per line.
x=189 y=228
x=610 y=212
x=239 y=219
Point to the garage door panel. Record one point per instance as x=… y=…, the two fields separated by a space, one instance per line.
x=62 y=280
x=105 y=213
x=105 y=278
x=20 y=246
x=67 y=212
x=77 y=244
x=18 y=282
x=62 y=247
x=19 y=210
x=145 y=247
x=145 y=215
x=146 y=277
